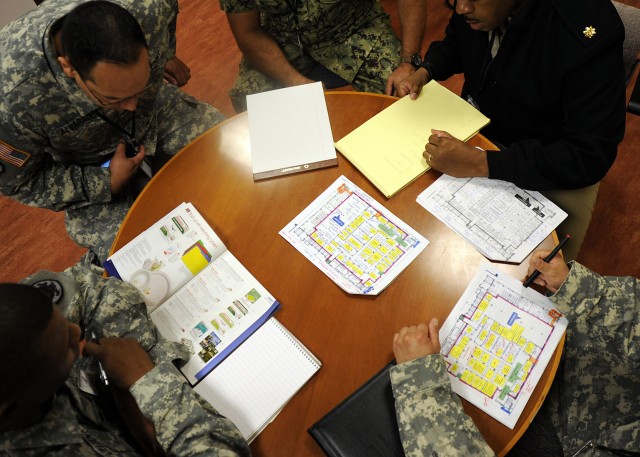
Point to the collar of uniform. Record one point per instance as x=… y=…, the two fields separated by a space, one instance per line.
x=524 y=15
x=81 y=101
x=58 y=427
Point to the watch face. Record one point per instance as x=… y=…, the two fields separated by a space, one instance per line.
x=416 y=60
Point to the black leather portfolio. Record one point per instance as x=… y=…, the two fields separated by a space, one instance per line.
x=364 y=424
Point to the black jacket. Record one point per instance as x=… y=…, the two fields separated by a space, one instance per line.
x=554 y=96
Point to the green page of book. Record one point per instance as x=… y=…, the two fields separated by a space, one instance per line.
x=388 y=148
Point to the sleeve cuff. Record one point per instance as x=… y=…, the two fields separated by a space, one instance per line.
x=500 y=165
x=419 y=374
x=156 y=385
x=224 y=6
x=579 y=284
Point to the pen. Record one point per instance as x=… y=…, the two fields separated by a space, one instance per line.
x=547 y=259
x=102 y=373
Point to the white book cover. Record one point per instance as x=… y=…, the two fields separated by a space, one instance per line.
x=289 y=131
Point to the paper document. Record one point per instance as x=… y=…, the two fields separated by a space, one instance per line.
x=289 y=131
x=353 y=239
x=497 y=342
x=253 y=385
x=388 y=148
x=244 y=362
x=196 y=291
x=502 y=221
x=216 y=311
x=167 y=255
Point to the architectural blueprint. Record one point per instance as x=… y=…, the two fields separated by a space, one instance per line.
x=353 y=239
x=503 y=222
x=497 y=342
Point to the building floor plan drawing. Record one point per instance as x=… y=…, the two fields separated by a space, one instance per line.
x=353 y=239
x=503 y=222
x=497 y=341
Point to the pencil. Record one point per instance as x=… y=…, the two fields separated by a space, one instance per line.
x=547 y=259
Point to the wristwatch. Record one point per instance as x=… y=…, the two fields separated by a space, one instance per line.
x=415 y=60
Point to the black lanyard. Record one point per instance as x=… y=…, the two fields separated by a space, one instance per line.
x=129 y=137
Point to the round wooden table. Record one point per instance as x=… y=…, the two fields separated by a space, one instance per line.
x=351 y=335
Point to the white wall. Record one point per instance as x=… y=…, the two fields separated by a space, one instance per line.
x=11 y=9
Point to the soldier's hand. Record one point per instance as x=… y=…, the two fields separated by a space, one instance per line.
x=177 y=72
x=418 y=341
x=394 y=81
x=123 y=360
x=454 y=157
x=123 y=168
x=412 y=85
x=552 y=274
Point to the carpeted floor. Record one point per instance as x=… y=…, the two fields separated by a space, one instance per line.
x=35 y=238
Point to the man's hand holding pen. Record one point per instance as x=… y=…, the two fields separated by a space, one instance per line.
x=123 y=360
x=124 y=363
x=552 y=273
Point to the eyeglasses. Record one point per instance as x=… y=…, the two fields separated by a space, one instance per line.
x=113 y=101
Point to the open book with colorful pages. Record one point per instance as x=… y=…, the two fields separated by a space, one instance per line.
x=497 y=342
x=388 y=148
x=198 y=293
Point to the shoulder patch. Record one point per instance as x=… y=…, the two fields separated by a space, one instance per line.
x=12 y=155
x=51 y=288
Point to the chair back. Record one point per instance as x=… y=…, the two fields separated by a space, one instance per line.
x=630 y=16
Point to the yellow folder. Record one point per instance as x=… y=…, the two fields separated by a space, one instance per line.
x=388 y=148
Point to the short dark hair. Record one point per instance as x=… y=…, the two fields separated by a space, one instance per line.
x=25 y=313
x=100 y=31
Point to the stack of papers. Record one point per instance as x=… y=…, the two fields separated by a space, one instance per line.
x=289 y=131
x=244 y=362
x=388 y=148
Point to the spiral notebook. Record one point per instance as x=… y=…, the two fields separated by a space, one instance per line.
x=254 y=383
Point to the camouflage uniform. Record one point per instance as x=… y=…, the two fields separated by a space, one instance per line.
x=49 y=117
x=78 y=422
x=595 y=395
x=352 y=38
